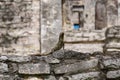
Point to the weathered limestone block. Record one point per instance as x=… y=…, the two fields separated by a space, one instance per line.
x=34 y=68
x=76 y=67
x=19 y=59
x=3 y=58
x=113 y=32
x=48 y=59
x=3 y=67
x=85 y=47
x=111 y=63
x=84 y=36
x=69 y=54
x=113 y=74
x=86 y=76
x=81 y=40
x=51 y=24
x=112 y=39
x=33 y=78
x=50 y=78
x=6 y=77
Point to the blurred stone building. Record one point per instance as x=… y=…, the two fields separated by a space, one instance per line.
x=32 y=30
x=33 y=26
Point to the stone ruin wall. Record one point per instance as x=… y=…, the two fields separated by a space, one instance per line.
x=27 y=27
x=33 y=27
x=19 y=27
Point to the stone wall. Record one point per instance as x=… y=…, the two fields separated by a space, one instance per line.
x=81 y=40
x=19 y=27
x=61 y=65
x=66 y=64
x=112 y=43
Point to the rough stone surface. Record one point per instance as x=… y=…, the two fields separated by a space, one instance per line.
x=85 y=48
x=112 y=12
x=31 y=28
x=113 y=74
x=101 y=14
x=111 y=63
x=19 y=27
x=6 y=77
x=86 y=76
x=84 y=36
x=49 y=59
x=90 y=11
x=3 y=58
x=112 y=40
x=3 y=67
x=77 y=67
x=113 y=32
x=50 y=78
x=37 y=68
x=69 y=54
x=81 y=40
x=61 y=65
x=51 y=24
x=19 y=58
x=52 y=60
x=33 y=78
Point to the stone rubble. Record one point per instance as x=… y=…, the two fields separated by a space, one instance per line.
x=58 y=66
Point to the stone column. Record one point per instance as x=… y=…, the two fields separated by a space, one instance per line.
x=51 y=24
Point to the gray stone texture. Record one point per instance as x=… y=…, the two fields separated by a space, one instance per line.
x=86 y=76
x=6 y=77
x=3 y=67
x=15 y=58
x=111 y=63
x=113 y=74
x=100 y=14
x=89 y=23
x=76 y=67
x=19 y=27
x=34 y=68
x=69 y=54
x=61 y=65
x=112 y=12
x=51 y=78
x=112 y=39
x=51 y=24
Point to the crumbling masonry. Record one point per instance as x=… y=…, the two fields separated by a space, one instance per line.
x=88 y=50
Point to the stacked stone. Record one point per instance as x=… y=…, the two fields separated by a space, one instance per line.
x=17 y=33
x=85 y=41
x=111 y=62
x=112 y=40
x=60 y=65
x=111 y=67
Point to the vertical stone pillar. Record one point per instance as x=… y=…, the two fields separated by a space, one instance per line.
x=51 y=24
x=19 y=27
x=112 y=12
